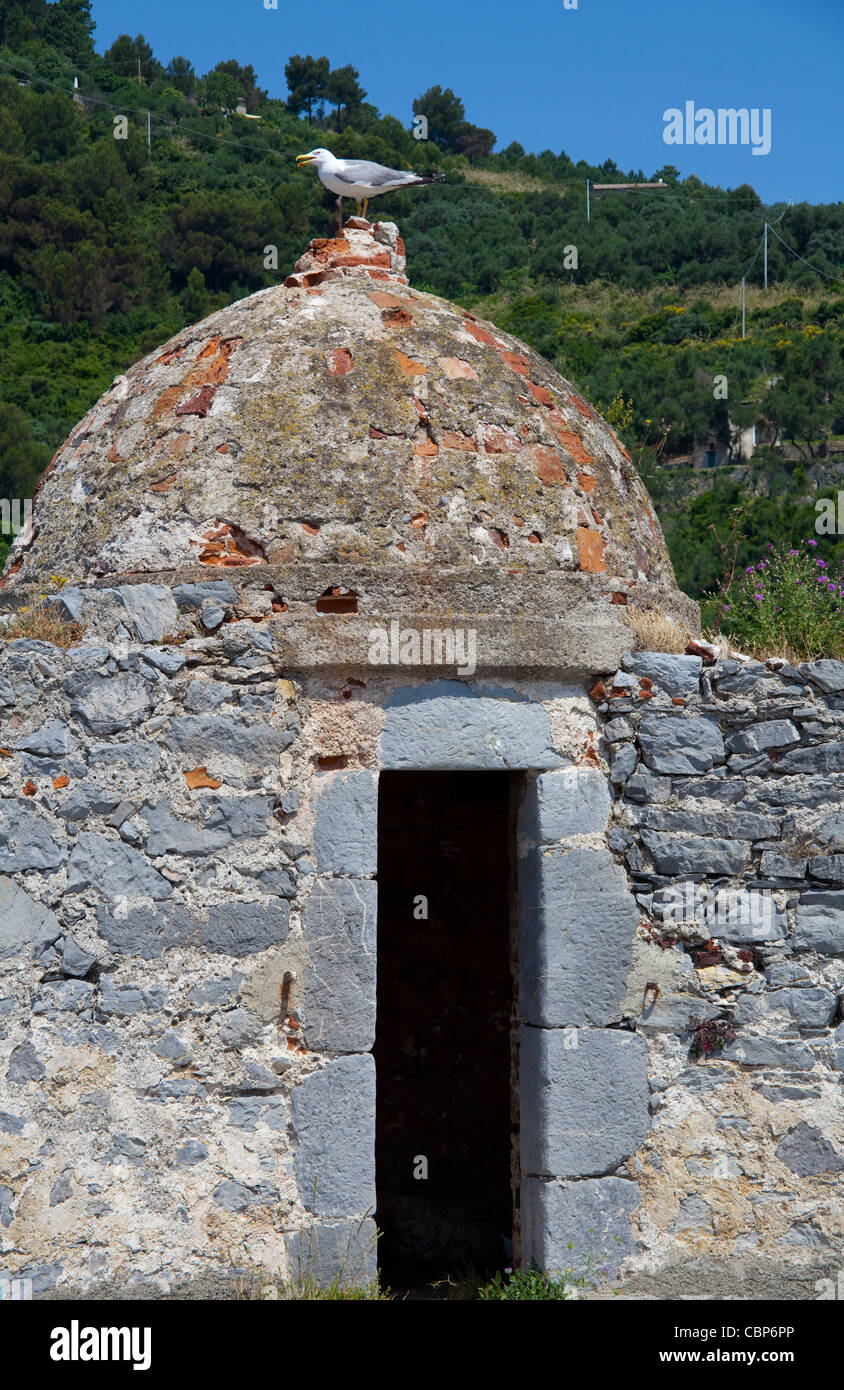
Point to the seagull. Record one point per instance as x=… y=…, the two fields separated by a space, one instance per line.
x=360 y=179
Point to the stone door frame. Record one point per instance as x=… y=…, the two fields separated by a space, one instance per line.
x=583 y=1087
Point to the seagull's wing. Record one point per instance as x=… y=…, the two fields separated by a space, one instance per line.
x=367 y=172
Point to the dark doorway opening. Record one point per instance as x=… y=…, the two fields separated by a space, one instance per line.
x=444 y=1049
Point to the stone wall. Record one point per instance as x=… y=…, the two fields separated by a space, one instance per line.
x=730 y=820
x=188 y=839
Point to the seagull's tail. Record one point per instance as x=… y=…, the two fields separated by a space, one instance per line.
x=431 y=178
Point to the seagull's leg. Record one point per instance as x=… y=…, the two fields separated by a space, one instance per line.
x=365 y=206
x=338 y=217
x=357 y=206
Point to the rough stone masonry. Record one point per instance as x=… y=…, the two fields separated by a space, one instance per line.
x=188 y=820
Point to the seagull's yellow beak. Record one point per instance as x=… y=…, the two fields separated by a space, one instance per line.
x=303 y=159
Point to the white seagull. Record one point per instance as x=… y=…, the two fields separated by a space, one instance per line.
x=360 y=179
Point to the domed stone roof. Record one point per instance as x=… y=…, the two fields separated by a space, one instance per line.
x=346 y=420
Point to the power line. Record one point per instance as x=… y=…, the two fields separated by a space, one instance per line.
x=837 y=278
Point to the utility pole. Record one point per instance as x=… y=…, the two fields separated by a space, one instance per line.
x=149 y=135
x=139 y=72
x=743 y=334
x=766 y=255
x=588 y=218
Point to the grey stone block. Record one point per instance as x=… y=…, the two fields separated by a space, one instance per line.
x=198 y=735
x=810 y=1008
x=26 y=842
x=117 y=870
x=771 y=733
x=673 y=744
x=567 y=1224
x=150 y=608
x=235 y=1196
x=819 y=924
x=237 y=928
x=775 y=864
x=23 y=921
x=65 y=996
x=109 y=704
x=75 y=961
x=346 y=824
x=828 y=675
x=557 y=805
x=578 y=919
x=170 y=662
x=61 y=1190
x=212 y=616
x=213 y=994
x=339 y=920
x=829 y=868
x=623 y=763
x=139 y=757
x=69 y=603
x=241 y=817
x=692 y=820
x=119 y=1001
x=333 y=1114
x=445 y=724
x=194 y=595
x=742 y=916
x=244 y=928
x=85 y=800
x=205 y=695
x=191 y=1153
x=237 y=1027
x=676 y=675
x=807 y=1152
x=170 y=835
x=341 y=1252
x=679 y=854
x=644 y=787
x=172 y=1049
x=52 y=740
x=823 y=757
x=584 y=1100
x=24 y=1065
x=11 y=1124
x=769 y=1052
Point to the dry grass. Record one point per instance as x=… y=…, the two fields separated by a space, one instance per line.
x=40 y=625
x=507 y=181
x=655 y=632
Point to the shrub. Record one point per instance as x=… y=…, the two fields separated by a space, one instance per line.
x=791 y=603
x=533 y=1285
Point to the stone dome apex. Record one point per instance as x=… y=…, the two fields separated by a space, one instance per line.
x=345 y=419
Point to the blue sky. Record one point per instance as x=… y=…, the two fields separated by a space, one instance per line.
x=594 y=81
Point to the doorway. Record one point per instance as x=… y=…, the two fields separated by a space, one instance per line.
x=446 y=1147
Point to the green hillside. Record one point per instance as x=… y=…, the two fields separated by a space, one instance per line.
x=108 y=245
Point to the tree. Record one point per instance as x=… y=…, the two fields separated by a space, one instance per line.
x=181 y=74
x=343 y=89
x=246 y=81
x=195 y=297
x=22 y=458
x=70 y=29
x=445 y=114
x=125 y=55
x=475 y=140
x=306 y=81
x=220 y=89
